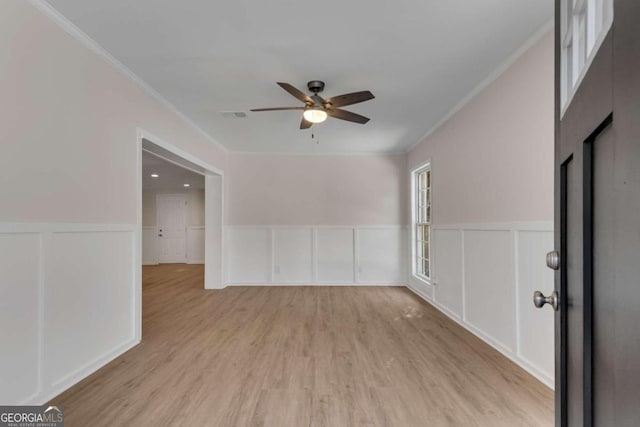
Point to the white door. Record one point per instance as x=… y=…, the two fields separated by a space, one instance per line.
x=172 y=227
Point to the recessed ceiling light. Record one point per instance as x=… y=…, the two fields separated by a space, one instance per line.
x=154 y=175
x=187 y=185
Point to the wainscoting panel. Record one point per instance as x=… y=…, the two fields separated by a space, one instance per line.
x=195 y=245
x=485 y=276
x=68 y=297
x=89 y=299
x=335 y=255
x=533 y=275
x=381 y=255
x=292 y=255
x=249 y=257
x=20 y=258
x=149 y=244
x=447 y=258
x=320 y=255
x=489 y=291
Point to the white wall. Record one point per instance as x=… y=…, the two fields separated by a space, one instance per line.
x=68 y=129
x=492 y=195
x=195 y=225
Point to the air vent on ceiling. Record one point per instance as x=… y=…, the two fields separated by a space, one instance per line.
x=234 y=114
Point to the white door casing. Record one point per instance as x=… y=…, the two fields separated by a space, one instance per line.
x=172 y=228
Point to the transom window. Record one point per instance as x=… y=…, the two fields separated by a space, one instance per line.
x=583 y=25
x=422 y=222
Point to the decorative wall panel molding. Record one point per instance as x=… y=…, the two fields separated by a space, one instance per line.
x=316 y=255
x=484 y=276
x=68 y=306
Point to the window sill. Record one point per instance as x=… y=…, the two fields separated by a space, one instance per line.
x=422 y=280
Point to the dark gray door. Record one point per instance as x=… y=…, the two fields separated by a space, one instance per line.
x=598 y=234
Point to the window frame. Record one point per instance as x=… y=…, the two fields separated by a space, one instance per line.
x=583 y=26
x=415 y=200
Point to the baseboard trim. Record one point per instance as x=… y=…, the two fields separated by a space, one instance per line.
x=78 y=375
x=318 y=284
x=524 y=364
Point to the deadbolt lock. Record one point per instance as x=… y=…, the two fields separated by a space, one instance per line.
x=553 y=260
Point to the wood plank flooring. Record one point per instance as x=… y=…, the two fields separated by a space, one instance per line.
x=301 y=356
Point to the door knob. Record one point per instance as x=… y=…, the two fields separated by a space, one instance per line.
x=539 y=300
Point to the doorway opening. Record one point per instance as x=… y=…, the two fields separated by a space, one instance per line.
x=173 y=200
x=180 y=215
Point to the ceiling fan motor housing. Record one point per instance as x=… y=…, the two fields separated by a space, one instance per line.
x=315 y=86
x=318 y=102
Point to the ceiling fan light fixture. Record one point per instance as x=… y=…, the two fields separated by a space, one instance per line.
x=315 y=115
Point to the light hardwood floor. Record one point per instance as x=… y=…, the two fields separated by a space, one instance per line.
x=301 y=356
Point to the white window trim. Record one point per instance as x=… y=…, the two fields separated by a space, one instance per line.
x=412 y=182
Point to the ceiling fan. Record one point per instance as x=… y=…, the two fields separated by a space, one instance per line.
x=317 y=109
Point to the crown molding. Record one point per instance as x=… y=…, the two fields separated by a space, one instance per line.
x=70 y=28
x=493 y=76
x=328 y=154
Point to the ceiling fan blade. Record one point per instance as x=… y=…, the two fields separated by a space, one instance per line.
x=305 y=124
x=296 y=93
x=350 y=98
x=348 y=116
x=278 y=109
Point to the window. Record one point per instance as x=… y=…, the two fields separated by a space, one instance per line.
x=583 y=25
x=421 y=181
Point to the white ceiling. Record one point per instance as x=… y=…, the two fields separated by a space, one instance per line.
x=420 y=58
x=170 y=176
